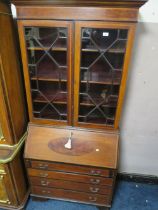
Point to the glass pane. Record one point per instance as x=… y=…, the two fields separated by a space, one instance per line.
x=47 y=63
x=102 y=59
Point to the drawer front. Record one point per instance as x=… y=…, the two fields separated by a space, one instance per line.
x=68 y=185
x=71 y=195
x=70 y=177
x=72 y=168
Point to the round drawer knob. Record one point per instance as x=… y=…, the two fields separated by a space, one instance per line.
x=95 y=172
x=95 y=181
x=94 y=189
x=93 y=199
x=44 y=183
x=43 y=174
x=43 y=166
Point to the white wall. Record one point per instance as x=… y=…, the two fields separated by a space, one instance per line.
x=149 y=12
x=139 y=124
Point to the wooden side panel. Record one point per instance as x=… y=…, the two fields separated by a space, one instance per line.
x=7 y=134
x=10 y=75
x=19 y=177
x=131 y=35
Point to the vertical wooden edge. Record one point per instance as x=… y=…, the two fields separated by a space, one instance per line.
x=118 y=151
x=77 y=71
x=10 y=186
x=131 y=36
x=25 y=66
x=17 y=170
x=4 y=118
x=70 y=78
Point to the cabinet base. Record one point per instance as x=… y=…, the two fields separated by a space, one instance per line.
x=103 y=208
x=39 y=198
x=20 y=207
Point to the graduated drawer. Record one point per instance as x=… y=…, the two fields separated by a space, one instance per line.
x=70 y=177
x=68 y=185
x=72 y=168
x=71 y=195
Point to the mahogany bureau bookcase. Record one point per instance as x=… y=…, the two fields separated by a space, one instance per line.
x=13 y=121
x=75 y=58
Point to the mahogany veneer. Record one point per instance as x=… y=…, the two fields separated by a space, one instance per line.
x=68 y=174
x=75 y=58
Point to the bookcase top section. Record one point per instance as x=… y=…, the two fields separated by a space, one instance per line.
x=100 y=3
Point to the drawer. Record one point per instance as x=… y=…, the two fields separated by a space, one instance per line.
x=72 y=168
x=71 y=195
x=70 y=177
x=68 y=185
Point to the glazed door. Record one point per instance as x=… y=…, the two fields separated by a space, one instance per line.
x=46 y=54
x=101 y=60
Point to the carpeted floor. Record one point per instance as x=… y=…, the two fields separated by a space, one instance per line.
x=128 y=196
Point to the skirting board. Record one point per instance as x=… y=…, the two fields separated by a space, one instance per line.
x=141 y=178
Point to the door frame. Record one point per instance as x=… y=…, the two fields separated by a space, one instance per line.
x=46 y=23
x=110 y=25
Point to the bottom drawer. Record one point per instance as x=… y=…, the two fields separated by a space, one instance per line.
x=71 y=195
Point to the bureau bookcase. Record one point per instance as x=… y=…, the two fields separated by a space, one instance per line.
x=75 y=59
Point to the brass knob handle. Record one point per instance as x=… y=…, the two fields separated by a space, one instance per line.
x=95 y=181
x=43 y=166
x=44 y=183
x=95 y=172
x=94 y=189
x=93 y=199
x=43 y=175
x=46 y=191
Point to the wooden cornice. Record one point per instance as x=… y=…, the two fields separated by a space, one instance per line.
x=5 y=7
x=85 y=3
